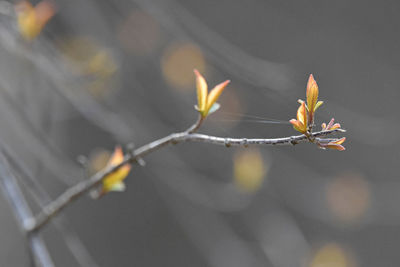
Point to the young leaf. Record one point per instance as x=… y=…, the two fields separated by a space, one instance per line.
x=114 y=181
x=214 y=108
x=202 y=91
x=214 y=95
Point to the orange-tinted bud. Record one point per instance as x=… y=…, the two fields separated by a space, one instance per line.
x=205 y=100
x=337 y=144
x=202 y=91
x=301 y=123
x=312 y=97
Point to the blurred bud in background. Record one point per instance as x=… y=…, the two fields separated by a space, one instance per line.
x=32 y=19
x=93 y=62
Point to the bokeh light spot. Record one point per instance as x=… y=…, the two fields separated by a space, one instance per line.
x=139 y=34
x=249 y=170
x=178 y=63
x=332 y=255
x=348 y=197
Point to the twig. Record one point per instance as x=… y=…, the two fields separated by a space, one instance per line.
x=74 y=192
x=14 y=196
x=196 y=125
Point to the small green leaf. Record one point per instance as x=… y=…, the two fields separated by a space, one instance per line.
x=214 y=108
x=120 y=187
x=319 y=103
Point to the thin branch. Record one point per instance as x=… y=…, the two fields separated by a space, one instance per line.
x=14 y=196
x=72 y=193
x=227 y=141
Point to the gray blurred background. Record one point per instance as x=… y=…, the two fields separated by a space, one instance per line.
x=103 y=73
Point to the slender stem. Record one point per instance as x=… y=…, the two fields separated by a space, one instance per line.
x=74 y=192
x=196 y=125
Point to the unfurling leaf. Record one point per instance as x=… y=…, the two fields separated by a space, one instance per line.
x=202 y=91
x=301 y=123
x=336 y=144
x=319 y=103
x=114 y=181
x=205 y=100
x=331 y=125
x=305 y=118
x=214 y=95
x=312 y=97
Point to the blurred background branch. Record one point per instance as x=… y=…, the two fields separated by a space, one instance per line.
x=13 y=194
